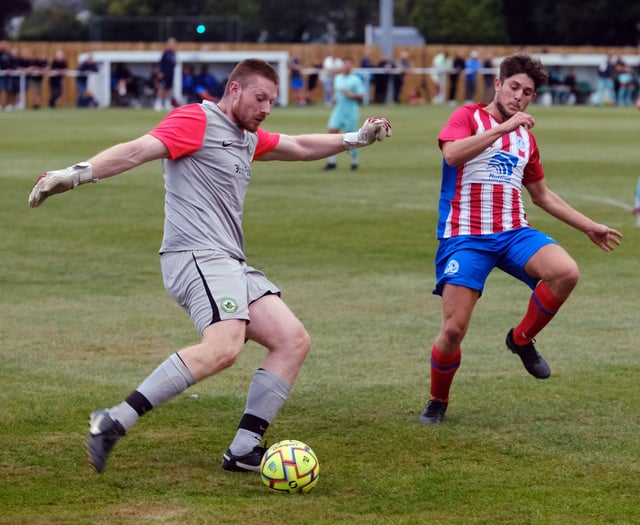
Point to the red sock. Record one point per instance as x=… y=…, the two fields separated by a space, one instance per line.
x=543 y=305
x=443 y=368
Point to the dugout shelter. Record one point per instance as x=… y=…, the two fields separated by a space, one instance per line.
x=141 y=64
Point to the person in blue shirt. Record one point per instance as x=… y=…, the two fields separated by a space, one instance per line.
x=207 y=86
x=471 y=67
x=166 y=68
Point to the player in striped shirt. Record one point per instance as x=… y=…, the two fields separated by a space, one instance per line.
x=489 y=155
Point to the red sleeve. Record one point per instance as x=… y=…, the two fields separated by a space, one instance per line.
x=266 y=142
x=459 y=126
x=533 y=171
x=182 y=130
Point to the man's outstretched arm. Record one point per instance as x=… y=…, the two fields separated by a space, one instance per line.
x=112 y=161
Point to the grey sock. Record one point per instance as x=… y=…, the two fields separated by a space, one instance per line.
x=168 y=380
x=267 y=393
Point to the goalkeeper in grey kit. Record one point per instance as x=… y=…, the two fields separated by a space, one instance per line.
x=207 y=150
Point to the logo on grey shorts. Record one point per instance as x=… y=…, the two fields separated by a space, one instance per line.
x=226 y=143
x=229 y=305
x=452 y=267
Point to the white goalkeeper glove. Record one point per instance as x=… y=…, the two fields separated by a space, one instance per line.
x=59 y=181
x=374 y=128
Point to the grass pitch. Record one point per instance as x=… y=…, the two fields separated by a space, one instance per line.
x=85 y=318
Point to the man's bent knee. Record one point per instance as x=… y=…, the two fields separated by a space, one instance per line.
x=303 y=343
x=297 y=344
x=564 y=280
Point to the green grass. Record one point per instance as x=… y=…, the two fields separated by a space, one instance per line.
x=85 y=318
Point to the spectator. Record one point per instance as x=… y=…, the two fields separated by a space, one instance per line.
x=636 y=83
x=441 y=63
x=636 y=207
x=457 y=67
x=348 y=93
x=331 y=65
x=121 y=84
x=312 y=80
x=57 y=72
x=366 y=63
x=488 y=78
x=85 y=68
x=625 y=81
x=37 y=69
x=381 y=80
x=189 y=84
x=207 y=86
x=5 y=69
x=87 y=99
x=297 y=81
x=404 y=66
x=13 y=84
x=26 y=61
x=166 y=67
x=153 y=84
x=571 y=91
x=556 y=84
x=472 y=65
x=605 y=89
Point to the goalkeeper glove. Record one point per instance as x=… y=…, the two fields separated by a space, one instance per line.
x=374 y=128
x=59 y=181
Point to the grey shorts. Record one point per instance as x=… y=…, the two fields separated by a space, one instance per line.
x=211 y=286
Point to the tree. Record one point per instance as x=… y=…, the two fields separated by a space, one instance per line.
x=460 y=21
x=275 y=20
x=11 y=8
x=585 y=22
x=509 y=22
x=528 y=22
x=55 y=23
x=185 y=19
x=315 y=20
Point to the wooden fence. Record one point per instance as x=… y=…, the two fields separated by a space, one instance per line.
x=309 y=55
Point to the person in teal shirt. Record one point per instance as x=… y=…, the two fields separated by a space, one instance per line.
x=348 y=94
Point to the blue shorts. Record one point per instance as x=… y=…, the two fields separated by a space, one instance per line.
x=166 y=81
x=467 y=260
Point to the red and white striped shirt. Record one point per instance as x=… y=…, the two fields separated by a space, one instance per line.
x=484 y=195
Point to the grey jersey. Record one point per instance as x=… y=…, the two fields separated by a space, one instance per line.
x=205 y=188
